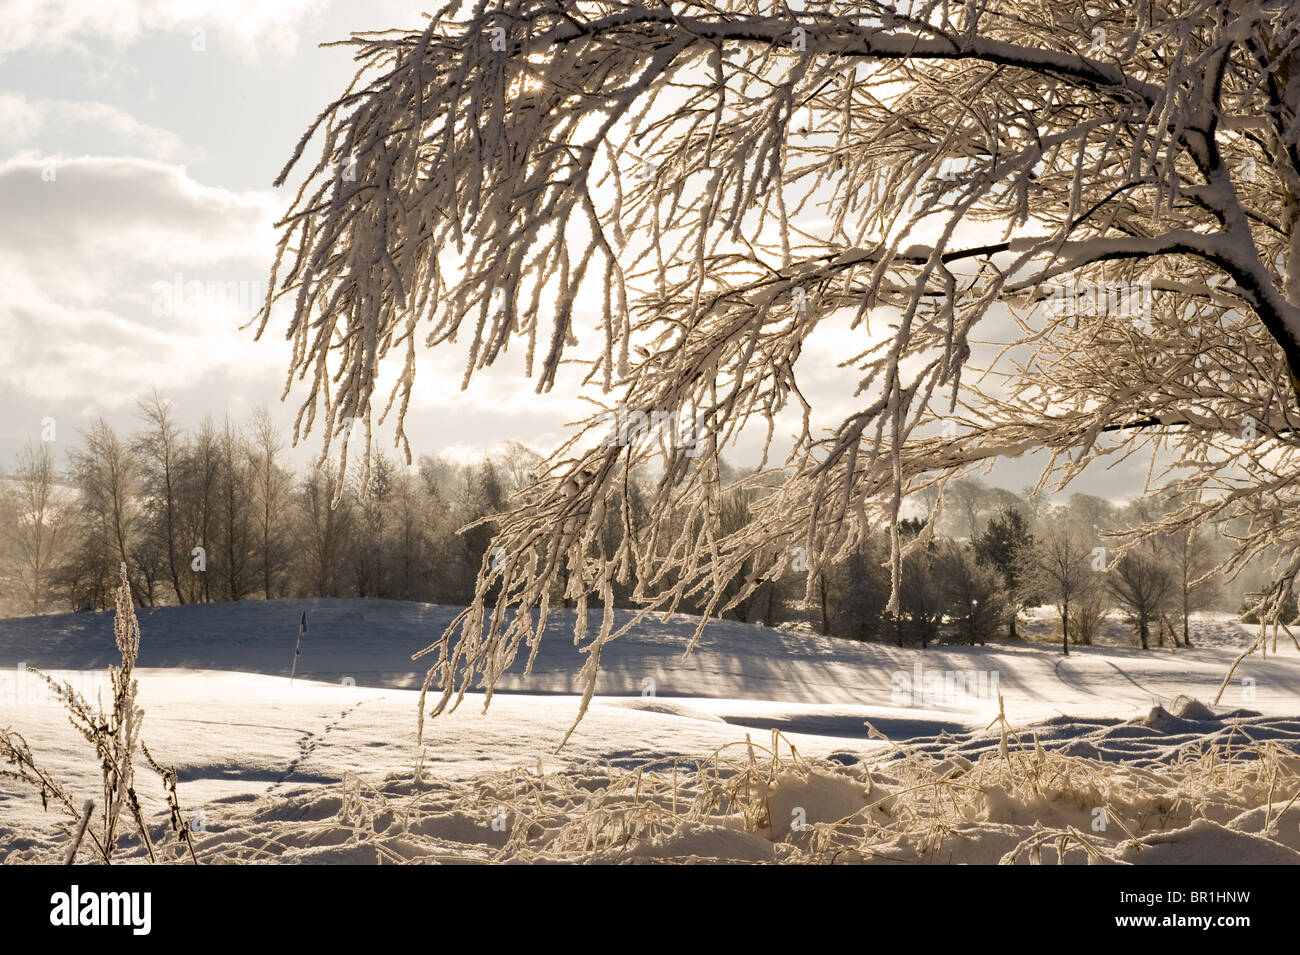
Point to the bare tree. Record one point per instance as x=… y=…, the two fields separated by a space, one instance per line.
x=201 y=475
x=1193 y=562
x=857 y=592
x=1144 y=585
x=732 y=175
x=1059 y=566
x=412 y=536
x=272 y=485
x=369 y=554
x=520 y=464
x=235 y=487
x=107 y=482
x=482 y=495
x=974 y=502
x=326 y=519
x=1088 y=614
x=160 y=450
x=38 y=528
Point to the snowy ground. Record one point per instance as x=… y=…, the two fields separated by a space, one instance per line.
x=327 y=769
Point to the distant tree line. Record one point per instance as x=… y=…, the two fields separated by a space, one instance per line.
x=994 y=554
x=217 y=514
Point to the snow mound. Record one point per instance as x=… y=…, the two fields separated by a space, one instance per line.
x=1158 y=738
x=797 y=800
x=1207 y=842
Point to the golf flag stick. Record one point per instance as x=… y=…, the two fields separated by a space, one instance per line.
x=297 y=650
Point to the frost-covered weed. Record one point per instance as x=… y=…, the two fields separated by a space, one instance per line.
x=113 y=734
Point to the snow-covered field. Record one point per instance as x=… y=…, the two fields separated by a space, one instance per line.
x=895 y=741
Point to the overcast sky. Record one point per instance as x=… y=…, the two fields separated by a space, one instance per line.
x=138 y=143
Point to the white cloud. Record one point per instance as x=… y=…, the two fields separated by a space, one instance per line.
x=22 y=120
x=248 y=27
x=19 y=119
x=81 y=258
x=106 y=205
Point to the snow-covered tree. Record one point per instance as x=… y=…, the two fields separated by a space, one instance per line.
x=1107 y=191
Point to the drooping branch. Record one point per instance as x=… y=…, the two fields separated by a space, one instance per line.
x=729 y=181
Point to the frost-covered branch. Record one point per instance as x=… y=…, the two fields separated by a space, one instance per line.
x=727 y=178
